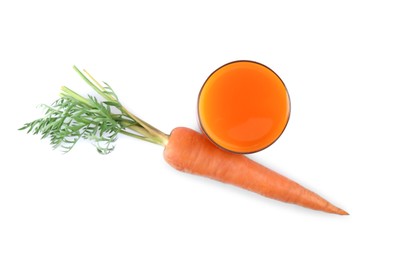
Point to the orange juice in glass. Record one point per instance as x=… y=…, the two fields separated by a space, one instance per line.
x=243 y=106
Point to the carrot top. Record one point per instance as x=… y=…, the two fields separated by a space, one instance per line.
x=73 y=117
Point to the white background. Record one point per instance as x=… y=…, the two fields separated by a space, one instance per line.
x=338 y=60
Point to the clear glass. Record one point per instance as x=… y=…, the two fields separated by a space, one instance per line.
x=243 y=106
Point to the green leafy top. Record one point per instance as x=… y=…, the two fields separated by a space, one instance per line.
x=73 y=117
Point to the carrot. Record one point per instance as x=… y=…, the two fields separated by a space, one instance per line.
x=74 y=117
x=191 y=152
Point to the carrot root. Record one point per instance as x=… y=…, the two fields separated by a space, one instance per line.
x=191 y=152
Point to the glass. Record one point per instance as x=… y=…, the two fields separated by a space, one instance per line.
x=243 y=106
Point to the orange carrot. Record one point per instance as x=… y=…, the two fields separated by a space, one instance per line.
x=74 y=117
x=191 y=152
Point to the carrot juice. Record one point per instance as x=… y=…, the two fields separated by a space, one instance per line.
x=243 y=107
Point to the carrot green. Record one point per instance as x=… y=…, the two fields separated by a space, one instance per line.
x=73 y=117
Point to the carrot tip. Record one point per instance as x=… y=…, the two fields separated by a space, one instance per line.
x=344 y=212
x=335 y=210
x=341 y=212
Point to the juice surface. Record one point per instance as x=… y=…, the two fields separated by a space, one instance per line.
x=243 y=107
